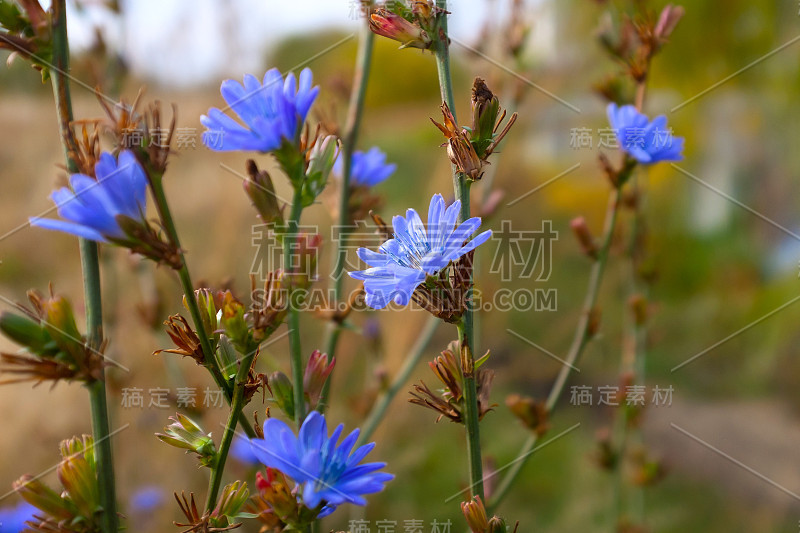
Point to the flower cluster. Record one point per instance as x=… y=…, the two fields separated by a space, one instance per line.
x=273 y=112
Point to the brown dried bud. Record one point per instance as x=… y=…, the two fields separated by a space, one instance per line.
x=638 y=306
x=185 y=339
x=261 y=191
x=531 y=413
x=584 y=236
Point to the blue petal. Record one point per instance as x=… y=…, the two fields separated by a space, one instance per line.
x=68 y=227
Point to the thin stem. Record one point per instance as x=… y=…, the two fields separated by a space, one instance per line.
x=583 y=333
x=634 y=345
x=293 y=319
x=461 y=188
x=379 y=409
x=442 y=54
x=210 y=361
x=91 y=278
x=471 y=419
x=101 y=427
x=352 y=126
x=237 y=404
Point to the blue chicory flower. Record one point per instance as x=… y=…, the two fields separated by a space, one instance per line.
x=91 y=206
x=329 y=475
x=368 y=168
x=647 y=142
x=147 y=499
x=401 y=264
x=271 y=111
x=12 y=519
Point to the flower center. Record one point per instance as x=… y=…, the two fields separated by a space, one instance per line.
x=414 y=247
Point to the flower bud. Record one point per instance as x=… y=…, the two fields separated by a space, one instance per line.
x=184 y=433
x=411 y=35
x=475 y=513
x=208 y=309
x=322 y=157
x=235 y=325
x=584 y=236
x=280 y=386
x=233 y=497
x=274 y=491
x=485 y=110
x=25 y=332
x=79 y=499
x=667 y=21
x=59 y=321
x=77 y=474
x=317 y=371
x=496 y=525
x=228 y=357
x=261 y=191
x=49 y=333
x=531 y=413
x=36 y=493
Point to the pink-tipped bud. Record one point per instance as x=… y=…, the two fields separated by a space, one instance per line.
x=384 y=22
x=584 y=236
x=669 y=18
x=317 y=371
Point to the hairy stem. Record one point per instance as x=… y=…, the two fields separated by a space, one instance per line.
x=91 y=278
x=379 y=409
x=210 y=360
x=349 y=139
x=293 y=318
x=461 y=187
x=583 y=333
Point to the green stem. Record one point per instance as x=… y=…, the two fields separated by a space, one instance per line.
x=352 y=126
x=91 y=278
x=293 y=318
x=583 y=333
x=237 y=404
x=471 y=420
x=210 y=361
x=101 y=427
x=379 y=409
x=461 y=187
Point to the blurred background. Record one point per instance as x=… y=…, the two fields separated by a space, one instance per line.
x=722 y=252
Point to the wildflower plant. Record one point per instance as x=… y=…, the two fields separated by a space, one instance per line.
x=305 y=472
